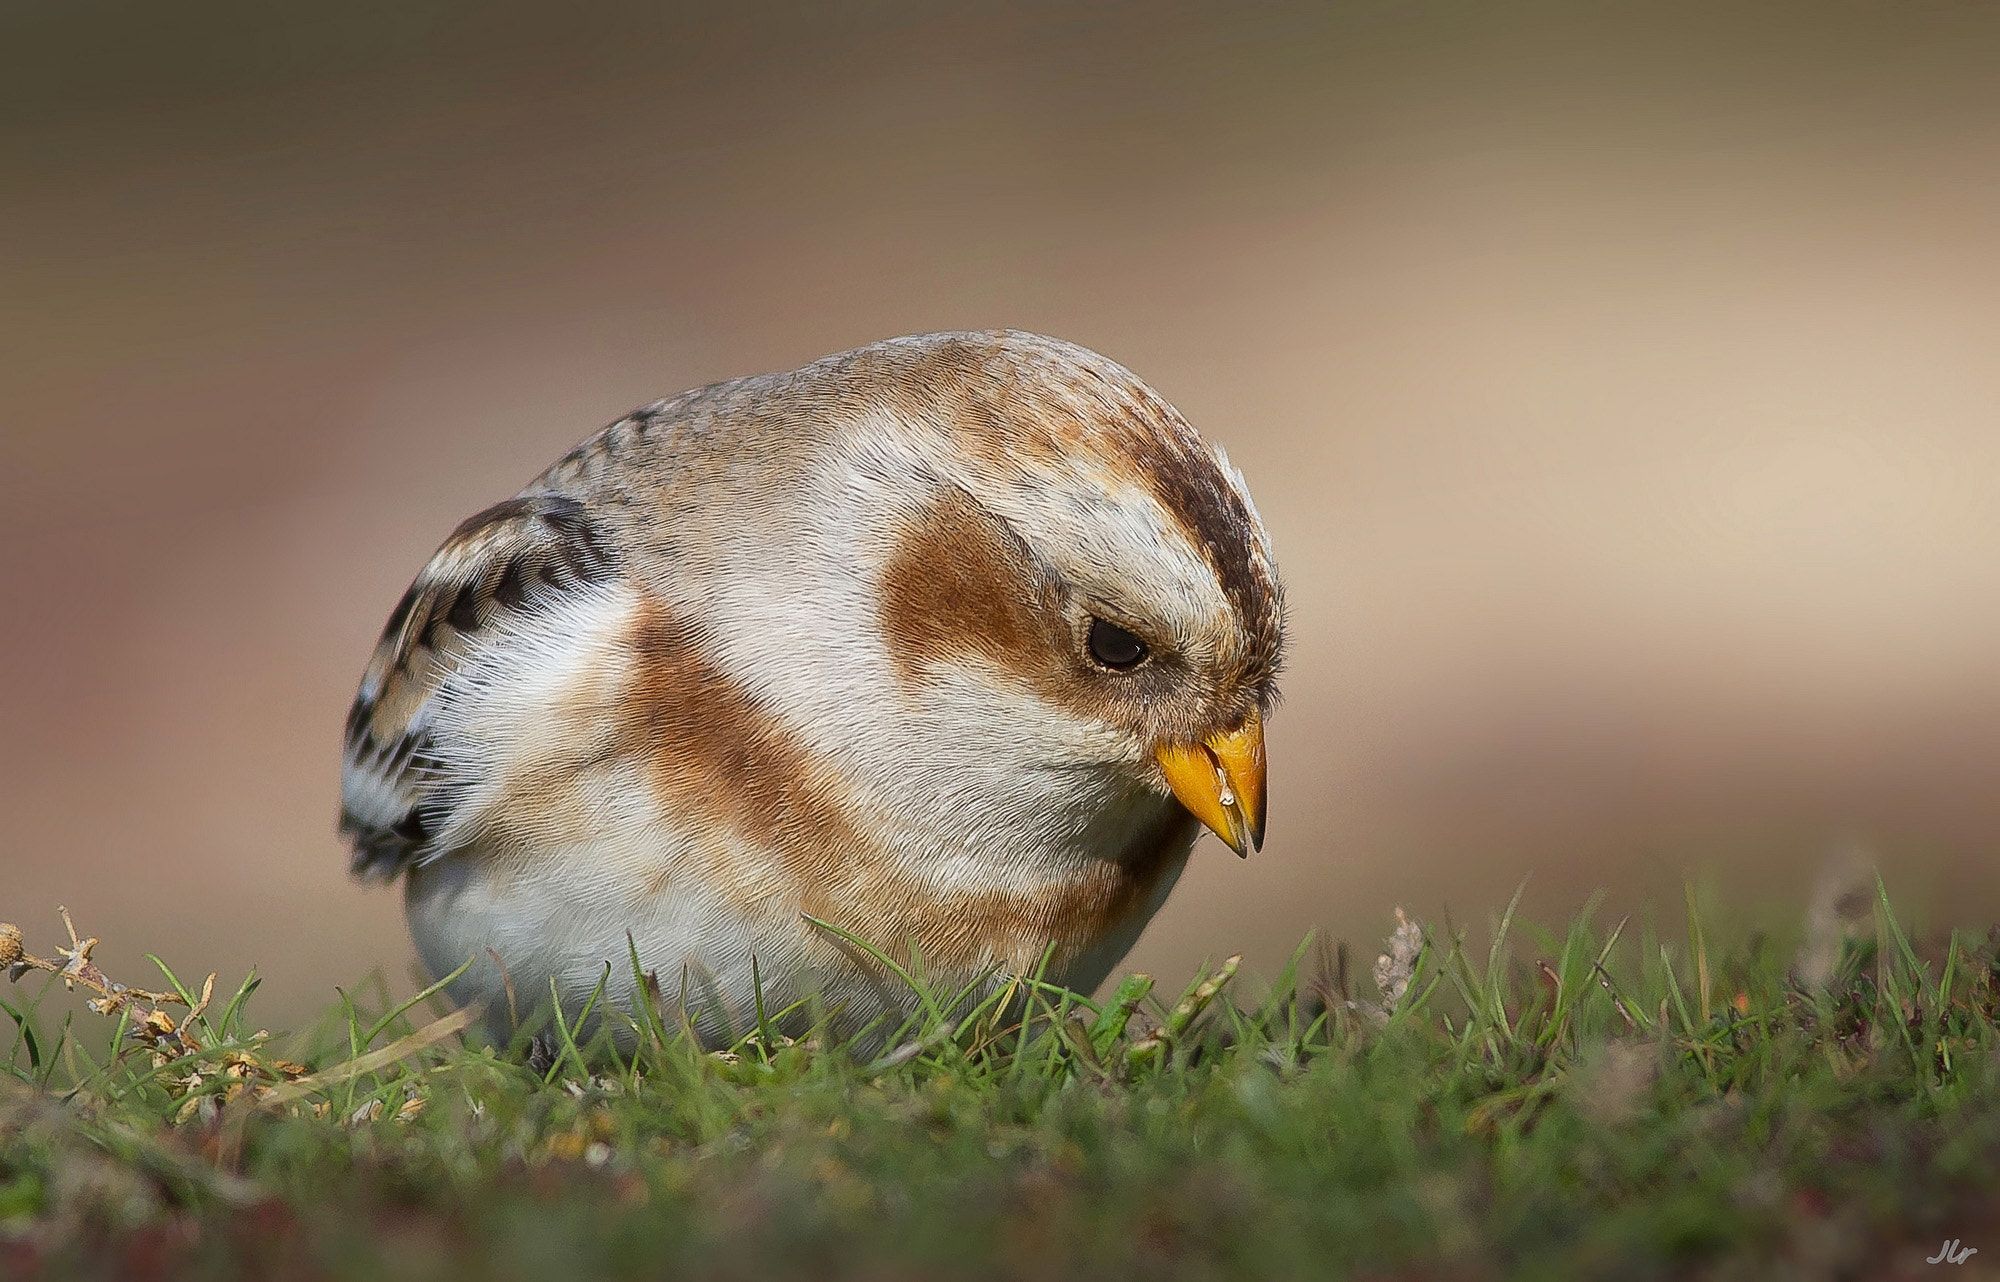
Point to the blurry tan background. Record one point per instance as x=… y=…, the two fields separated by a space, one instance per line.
x=1619 y=385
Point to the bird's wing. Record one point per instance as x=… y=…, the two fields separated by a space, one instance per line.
x=512 y=557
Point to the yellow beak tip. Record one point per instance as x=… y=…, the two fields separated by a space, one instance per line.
x=1221 y=782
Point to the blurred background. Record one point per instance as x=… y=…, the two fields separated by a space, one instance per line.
x=1620 y=384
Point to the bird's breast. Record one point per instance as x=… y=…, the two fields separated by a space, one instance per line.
x=613 y=777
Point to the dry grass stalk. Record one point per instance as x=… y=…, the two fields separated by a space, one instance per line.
x=1394 y=969
x=76 y=967
x=166 y=1039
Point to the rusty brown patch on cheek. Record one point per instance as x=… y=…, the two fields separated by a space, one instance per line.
x=961 y=583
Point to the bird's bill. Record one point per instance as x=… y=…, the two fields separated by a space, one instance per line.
x=1221 y=782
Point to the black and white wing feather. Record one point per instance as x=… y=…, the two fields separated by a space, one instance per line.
x=507 y=559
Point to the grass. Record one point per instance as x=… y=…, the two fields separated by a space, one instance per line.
x=1589 y=1103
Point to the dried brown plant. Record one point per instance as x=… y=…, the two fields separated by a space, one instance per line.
x=183 y=1042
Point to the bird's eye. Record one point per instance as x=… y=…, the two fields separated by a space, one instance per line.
x=1114 y=647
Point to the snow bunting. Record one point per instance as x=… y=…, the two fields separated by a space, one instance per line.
x=953 y=642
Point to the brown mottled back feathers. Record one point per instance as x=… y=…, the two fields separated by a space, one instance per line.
x=503 y=560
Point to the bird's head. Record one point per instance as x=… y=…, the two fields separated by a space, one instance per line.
x=1066 y=580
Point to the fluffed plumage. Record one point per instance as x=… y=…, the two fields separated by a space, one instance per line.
x=854 y=642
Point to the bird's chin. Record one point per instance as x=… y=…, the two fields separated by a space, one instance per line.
x=1125 y=804
x=1171 y=835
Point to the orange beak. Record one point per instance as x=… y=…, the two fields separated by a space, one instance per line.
x=1221 y=782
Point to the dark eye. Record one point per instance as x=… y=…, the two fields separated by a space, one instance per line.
x=1114 y=647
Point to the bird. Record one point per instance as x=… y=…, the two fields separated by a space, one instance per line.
x=940 y=651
